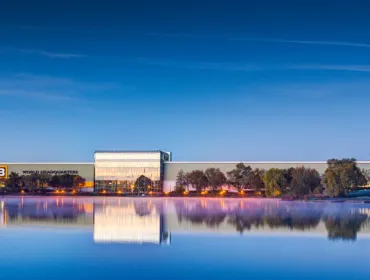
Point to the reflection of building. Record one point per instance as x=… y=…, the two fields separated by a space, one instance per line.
x=123 y=224
x=150 y=220
x=120 y=170
x=50 y=212
x=2 y=214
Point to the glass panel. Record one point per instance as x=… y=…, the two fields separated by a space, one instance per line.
x=119 y=171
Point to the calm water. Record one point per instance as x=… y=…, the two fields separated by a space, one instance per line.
x=124 y=238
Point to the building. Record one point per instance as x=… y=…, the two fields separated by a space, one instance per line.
x=124 y=171
x=83 y=169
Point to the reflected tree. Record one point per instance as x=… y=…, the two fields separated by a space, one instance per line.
x=345 y=226
x=246 y=220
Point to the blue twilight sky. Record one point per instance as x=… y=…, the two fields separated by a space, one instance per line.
x=207 y=80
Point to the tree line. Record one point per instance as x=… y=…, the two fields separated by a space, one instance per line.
x=340 y=178
x=16 y=182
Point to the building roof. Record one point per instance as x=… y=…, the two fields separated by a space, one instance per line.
x=129 y=151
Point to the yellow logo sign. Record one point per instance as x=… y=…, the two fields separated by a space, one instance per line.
x=3 y=172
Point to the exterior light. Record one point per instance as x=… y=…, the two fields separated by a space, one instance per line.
x=22 y=191
x=166 y=193
x=150 y=192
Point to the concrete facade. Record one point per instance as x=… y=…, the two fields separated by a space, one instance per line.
x=85 y=170
x=171 y=169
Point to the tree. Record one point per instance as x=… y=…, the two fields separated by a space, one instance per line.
x=13 y=182
x=142 y=183
x=275 y=182
x=43 y=180
x=304 y=181
x=181 y=182
x=257 y=179
x=78 y=181
x=215 y=178
x=198 y=180
x=55 y=181
x=342 y=176
x=366 y=173
x=66 y=180
x=240 y=177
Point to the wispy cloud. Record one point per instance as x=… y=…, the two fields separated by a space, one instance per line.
x=52 y=54
x=217 y=66
x=333 y=67
x=37 y=95
x=44 y=88
x=226 y=66
x=260 y=39
x=325 y=43
x=358 y=88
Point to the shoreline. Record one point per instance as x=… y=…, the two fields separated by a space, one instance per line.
x=358 y=200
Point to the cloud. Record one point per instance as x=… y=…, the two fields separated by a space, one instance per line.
x=333 y=67
x=45 y=88
x=318 y=90
x=52 y=54
x=225 y=66
x=325 y=43
x=259 y=39
x=37 y=95
x=217 y=66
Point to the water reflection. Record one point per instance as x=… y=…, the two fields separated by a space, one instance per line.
x=133 y=222
x=141 y=220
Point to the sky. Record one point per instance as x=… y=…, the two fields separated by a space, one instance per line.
x=222 y=80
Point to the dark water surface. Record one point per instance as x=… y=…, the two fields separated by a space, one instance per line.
x=156 y=238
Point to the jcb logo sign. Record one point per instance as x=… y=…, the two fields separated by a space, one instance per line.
x=3 y=172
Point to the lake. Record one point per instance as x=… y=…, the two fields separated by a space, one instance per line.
x=182 y=238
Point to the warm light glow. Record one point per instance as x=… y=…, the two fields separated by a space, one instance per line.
x=104 y=192
x=88 y=207
x=186 y=192
x=150 y=192
x=22 y=191
x=119 y=192
x=242 y=192
x=166 y=193
x=57 y=191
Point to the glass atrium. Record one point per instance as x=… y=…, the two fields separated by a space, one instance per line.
x=130 y=171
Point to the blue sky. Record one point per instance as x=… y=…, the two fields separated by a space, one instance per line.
x=221 y=80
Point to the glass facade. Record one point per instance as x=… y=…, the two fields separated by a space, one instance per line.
x=130 y=172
